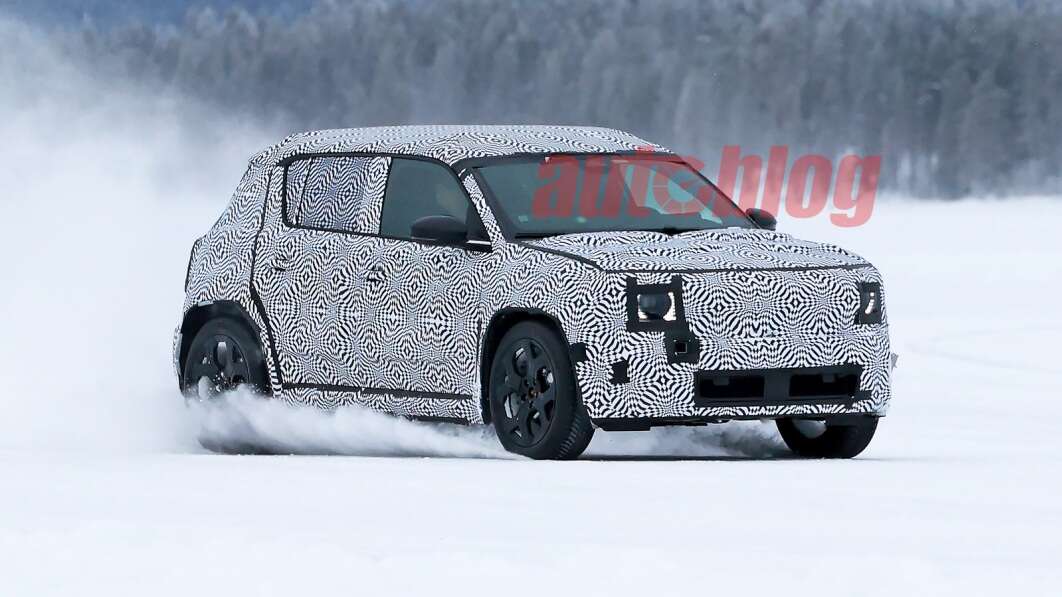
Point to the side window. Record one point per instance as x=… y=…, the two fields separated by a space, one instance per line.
x=415 y=189
x=335 y=193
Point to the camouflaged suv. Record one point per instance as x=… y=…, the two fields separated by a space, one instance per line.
x=547 y=280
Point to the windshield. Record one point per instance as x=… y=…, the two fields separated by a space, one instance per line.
x=563 y=194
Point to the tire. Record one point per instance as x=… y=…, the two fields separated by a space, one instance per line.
x=225 y=354
x=534 y=400
x=828 y=440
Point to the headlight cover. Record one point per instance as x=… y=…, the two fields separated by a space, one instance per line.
x=655 y=306
x=869 y=303
x=660 y=308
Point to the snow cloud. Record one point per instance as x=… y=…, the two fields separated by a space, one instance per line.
x=107 y=185
x=247 y=422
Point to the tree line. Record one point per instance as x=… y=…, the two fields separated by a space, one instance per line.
x=958 y=97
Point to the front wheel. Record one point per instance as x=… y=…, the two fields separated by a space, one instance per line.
x=534 y=401
x=819 y=439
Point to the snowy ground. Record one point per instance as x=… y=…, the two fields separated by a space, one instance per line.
x=104 y=489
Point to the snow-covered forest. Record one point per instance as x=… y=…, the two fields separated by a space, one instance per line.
x=958 y=97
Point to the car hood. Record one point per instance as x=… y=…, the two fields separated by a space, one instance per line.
x=704 y=250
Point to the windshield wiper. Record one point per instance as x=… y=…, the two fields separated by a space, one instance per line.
x=535 y=235
x=673 y=230
x=669 y=230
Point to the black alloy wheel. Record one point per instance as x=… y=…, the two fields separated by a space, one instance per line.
x=531 y=398
x=223 y=356
x=534 y=400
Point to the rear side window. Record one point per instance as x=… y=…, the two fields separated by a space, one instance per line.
x=335 y=193
x=415 y=189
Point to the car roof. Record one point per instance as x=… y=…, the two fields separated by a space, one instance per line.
x=453 y=143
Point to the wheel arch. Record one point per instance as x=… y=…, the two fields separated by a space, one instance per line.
x=501 y=322
x=196 y=317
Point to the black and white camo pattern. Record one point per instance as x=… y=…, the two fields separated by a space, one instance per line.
x=398 y=326
x=733 y=248
x=453 y=143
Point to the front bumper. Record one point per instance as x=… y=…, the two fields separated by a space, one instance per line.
x=757 y=330
x=643 y=384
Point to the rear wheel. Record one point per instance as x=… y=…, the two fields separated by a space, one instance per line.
x=819 y=439
x=534 y=401
x=223 y=356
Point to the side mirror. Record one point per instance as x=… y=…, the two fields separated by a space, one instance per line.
x=446 y=230
x=762 y=218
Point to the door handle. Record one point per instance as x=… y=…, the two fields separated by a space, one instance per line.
x=281 y=264
x=375 y=274
x=283 y=253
